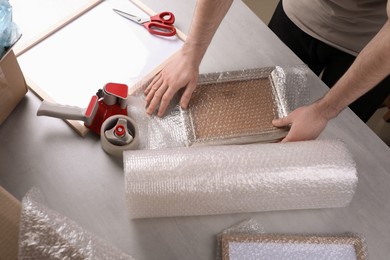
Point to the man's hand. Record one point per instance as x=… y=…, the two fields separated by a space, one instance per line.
x=306 y=122
x=179 y=73
x=182 y=71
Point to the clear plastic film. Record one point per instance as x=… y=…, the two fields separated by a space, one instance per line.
x=233 y=107
x=246 y=241
x=210 y=180
x=9 y=32
x=46 y=234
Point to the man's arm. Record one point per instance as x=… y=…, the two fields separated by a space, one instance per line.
x=183 y=70
x=371 y=66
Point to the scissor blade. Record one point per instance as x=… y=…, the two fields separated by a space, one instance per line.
x=129 y=16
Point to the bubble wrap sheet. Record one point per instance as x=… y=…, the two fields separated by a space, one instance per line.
x=238 y=178
x=233 y=107
x=246 y=241
x=46 y=234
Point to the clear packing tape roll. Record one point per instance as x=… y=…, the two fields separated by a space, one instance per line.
x=46 y=234
x=208 y=180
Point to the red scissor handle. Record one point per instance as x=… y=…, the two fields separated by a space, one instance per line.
x=164 y=17
x=159 y=28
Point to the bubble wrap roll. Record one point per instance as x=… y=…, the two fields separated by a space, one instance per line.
x=238 y=178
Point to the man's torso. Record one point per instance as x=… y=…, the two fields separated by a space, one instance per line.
x=345 y=24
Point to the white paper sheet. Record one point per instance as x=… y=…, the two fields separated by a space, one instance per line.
x=97 y=48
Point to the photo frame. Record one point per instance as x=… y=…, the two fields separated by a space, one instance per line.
x=279 y=246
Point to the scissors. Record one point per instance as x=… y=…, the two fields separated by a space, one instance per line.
x=159 y=24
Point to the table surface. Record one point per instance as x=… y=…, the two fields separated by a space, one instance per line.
x=83 y=183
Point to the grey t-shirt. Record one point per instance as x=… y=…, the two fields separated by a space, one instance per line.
x=345 y=24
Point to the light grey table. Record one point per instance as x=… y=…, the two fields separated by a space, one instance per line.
x=82 y=182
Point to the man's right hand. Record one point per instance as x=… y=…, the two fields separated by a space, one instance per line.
x=178 y=73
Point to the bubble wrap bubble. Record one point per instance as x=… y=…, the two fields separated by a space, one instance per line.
x=45 y=234
x=238 y=178
x=233 y=107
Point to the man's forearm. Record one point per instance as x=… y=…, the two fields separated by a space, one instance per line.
x=371 y=66
x=207 y=17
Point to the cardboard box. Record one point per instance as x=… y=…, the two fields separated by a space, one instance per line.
x=10 y=211
x=13 y=86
